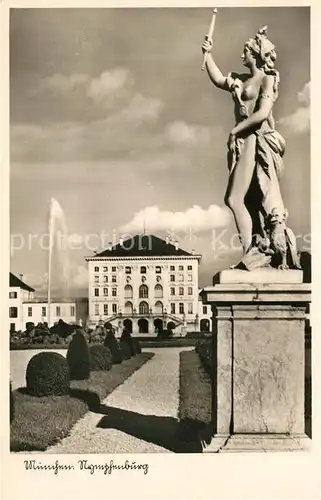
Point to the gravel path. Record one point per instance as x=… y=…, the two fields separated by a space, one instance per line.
x=140 y=416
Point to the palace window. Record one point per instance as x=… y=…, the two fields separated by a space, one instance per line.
x=172 y=277
x=105 y=292
x=13 y=312
x=181 y=308
x=114 y=308
x=43 y=312
x=190 y=308
x=173 y=308
x=105 y=269
x=190 y=290
x=58 y=311
x=158 y=292
x=96 y=309
x=189 y=277
x=96 y=269
x=172 y=291
x=204 y=309
x=128 y=308
x=72 y=310
x=113 y=269
x=158 y=307
x=180 y=277
x=142 y=269
x=106 y=279
x=13 y=295
x=143 y=291
x=128 y=270
x=143 y=308
x=114 y=292
x=128 y=292
x=96 y=292
x=105 y=309
x=114 y=279
x=29 y=312
x=181 y=268
x=189 y=268
x=96 y=279
x=172 y=268
x=181 y=290
x=158 y=269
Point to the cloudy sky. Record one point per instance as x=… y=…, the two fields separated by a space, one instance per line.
x=112 y=116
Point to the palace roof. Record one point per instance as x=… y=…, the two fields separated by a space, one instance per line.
x=143 y=246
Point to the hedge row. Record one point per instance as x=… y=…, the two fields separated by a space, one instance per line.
x=204 y=349
x=50 y=373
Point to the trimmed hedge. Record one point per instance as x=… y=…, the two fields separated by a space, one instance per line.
x=112 y=343
x=204 y=349
x=125 y=350
x=100 y=358
x=47 y=375
x=11 y=404
x=78 y=357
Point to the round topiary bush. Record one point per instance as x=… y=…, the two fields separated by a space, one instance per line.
x=47 y=375
x=114 y=347
x=78 y=357
x=125 y=349
x=100 y=358
x=11 y=405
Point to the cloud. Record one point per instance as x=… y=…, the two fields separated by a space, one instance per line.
x=182 y=133
x=299 y=121
x=62 y=84
x=79 y=277
x=109 y=82
x=194 y=219
x=142 y=108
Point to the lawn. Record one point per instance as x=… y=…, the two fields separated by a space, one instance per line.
x=42 y=422
x=195 y=397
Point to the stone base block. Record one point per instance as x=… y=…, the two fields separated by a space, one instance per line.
x=259 y=358
x=261 y=275
x=247 y=443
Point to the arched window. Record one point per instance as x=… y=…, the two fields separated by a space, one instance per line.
x=128 y=292
x=143 y=308
x=158 y=307
x=128 y=308
x=158 y=292
x=143 y=292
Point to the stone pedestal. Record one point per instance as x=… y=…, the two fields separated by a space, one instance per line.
x=258 y=342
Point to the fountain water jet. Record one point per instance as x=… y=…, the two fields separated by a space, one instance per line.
x=58 y=235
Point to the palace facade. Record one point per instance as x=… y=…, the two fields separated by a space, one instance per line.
x=147 y=285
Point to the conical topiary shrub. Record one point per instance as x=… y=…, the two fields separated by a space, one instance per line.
x=125 y=349
x=137 y=346
x=78 y=357
x=126 y=337
x=114 y=347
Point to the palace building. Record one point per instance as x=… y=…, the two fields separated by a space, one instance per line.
x=147 y=285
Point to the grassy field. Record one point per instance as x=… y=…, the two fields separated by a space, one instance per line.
x=42 y=422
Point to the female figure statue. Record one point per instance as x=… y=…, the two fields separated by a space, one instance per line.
x=255 y=151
